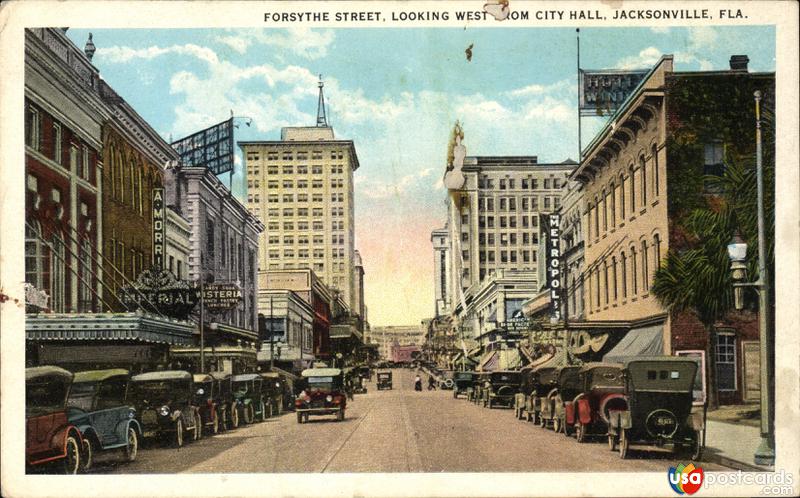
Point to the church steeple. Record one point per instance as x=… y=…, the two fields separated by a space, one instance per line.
x=322 y=119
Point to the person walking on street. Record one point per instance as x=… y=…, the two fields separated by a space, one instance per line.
x=417 y=383
x=431 y=383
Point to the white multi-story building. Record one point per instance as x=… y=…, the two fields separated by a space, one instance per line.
x=301 y=187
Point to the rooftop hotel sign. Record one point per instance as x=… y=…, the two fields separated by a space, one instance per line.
x=603 y=92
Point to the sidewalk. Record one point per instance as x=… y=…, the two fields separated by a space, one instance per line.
x=733 y=444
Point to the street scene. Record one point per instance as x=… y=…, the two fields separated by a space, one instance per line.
x=274 y=251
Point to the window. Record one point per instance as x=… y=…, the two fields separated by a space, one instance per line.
x=657 y=250
x=726 y=360
x=34 y=255
x=605 y=211
x=614 y=276
x=632 y=190
x=33 y=128
x=624 y=280
x=655 y=170
x=643 y=180
x=713 y=163
x=645 y=274
x=210 y=234
x=525 y=204
x=84 y=162
x=605 y=282
x=546 y=183
x=502 y=184
x=613 y=199
x=634 y=273
x=622 y=197
x=58 y=271
x=490 y=204
x=288 y=184
x=57 y=143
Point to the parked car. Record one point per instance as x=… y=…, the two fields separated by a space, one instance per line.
x=164 y=402
x=97 y=405
x=602 y=391
x=569 y=387
x=272 y=389
x=462 y=381
x=50 y=439
x=206 y=403
x=365 y=372
x=658 y=391
x=226 y=402
x=500 y=388
x=546 y=382
x=523 y=400
x=323 y=394
x=384 y=380
x=247 y=391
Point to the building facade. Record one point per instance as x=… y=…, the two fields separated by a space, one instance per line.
x=290 y=330
x=402 y=335
x=440 y=238
x=301 y=187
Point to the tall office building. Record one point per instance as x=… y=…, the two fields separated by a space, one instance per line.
x=301 y=187
x=493 y=221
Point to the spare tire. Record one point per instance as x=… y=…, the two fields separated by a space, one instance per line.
x=448 y=383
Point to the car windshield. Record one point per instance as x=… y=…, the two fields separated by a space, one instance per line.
x=463 y=376
x=45 y=396
x=81 y=395
x=321 y=383
x=153 y=392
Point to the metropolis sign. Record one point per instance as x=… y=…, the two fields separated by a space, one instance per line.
x=553 y=273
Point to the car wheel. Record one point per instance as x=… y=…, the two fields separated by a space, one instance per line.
x=567 y=429
x=299 y=418
x=529 y=417
x=580 y=432
x=215 y=421
x=234 y=416
x=612 y=442
x=72 y=460
x=132 y=448
x=249 y=414
x=455 y=394
x=556 y=424
x=179 y=432
x=263 y=407
x=623 y=444
x=87 y=455
x=197 y=432
x=542 y=421
x=697 y=445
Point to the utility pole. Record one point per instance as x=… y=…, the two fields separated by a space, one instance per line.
x=271 y=335
x=202 y=319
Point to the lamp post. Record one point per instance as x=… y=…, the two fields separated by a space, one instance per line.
x=737 y=251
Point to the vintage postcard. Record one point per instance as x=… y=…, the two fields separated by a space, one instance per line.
x=457 y=248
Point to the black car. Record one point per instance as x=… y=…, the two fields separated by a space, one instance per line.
x=462 y=381
x=500 y=387
x=163 y=401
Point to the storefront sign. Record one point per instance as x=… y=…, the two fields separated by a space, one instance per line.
x=218 y=298
x=552 y=234
x=159 y=228
x=603 y=92
x=158 y=291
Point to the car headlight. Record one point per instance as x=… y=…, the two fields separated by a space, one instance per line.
x=329 y=398
x=164 y=411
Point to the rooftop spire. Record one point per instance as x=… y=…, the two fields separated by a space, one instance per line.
x=89 y=49
x=322 y=120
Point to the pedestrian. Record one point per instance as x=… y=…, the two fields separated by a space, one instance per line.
x=431 y=383
x=417 y=383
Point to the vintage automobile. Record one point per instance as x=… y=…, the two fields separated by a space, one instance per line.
x=462 y=381
x=97 y=406
x=322 y=394
x=50 y=439
x=523 y=400
x=569 y=387
x=474 y=392
x=226 y=403
x=163 y=401
x=446 y=379
x=206 y=403
x=272 y=389
x=365 y=372
x=247 y=391
x=500 y=388
x=546 y=380
x=601 y=392
x=659 y=411
x=384 y=380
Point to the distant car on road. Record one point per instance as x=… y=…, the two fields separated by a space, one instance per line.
x=462 y=381
x=97 y=406
x=323 y=394
x=49 y=437
x=384 y=380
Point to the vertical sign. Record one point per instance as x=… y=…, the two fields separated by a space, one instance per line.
x=159 y=228
x=553 y=271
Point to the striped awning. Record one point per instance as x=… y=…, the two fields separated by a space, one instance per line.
x=489 y=362
x=140 y=327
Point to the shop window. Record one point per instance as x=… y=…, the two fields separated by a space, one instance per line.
x=726 y=361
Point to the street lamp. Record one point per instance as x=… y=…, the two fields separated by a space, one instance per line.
x=737 y=251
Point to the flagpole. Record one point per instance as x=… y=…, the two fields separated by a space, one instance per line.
x=578 y=39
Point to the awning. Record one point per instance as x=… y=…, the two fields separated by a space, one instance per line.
x=489 y=362
x=527 y=353
x=126 y=327
x=509 y=359
x=644 y=341
x=557 y=359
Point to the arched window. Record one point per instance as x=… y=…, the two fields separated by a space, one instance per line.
x=634 y=273
x=655 y=170
x=643 y=180
x=596 y=217
x=605 y=282
x=85 y=293
x=645 y=272
x=657 y=250
x=614 y=277
x=613 y=205
x=622 y=196
x=112 y=175
x=121 y=188
x=632 y=190
x=605 y=211
x=58 y=272
x=132 y=182
x=624 y=279
x=597 y=287
x=589 y=296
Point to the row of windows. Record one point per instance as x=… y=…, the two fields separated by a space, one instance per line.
x=290 y=198
x=336 y=239
x=301 y=169
x=510 y=238
x=525 y=183
x=298 y=155
x=510 y=203
x=51 y=143
x=526 y=256
x=301 y=184
x=624 y=195
x=625 y=275
x=304 y=253
x=336 y=212
x=231 y=252
x=303 y=225
x=508 y=221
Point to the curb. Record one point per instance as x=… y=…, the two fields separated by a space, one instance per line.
x=736 y=464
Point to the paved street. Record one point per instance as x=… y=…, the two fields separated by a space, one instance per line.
x=392 y=431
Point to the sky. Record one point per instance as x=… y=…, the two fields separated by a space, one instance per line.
x=397 y=93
